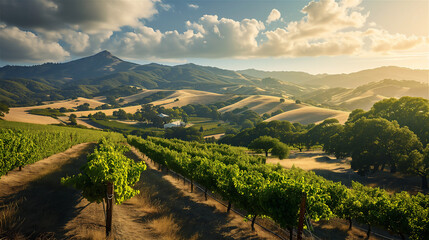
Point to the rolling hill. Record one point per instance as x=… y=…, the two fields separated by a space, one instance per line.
x=350 y=80
x=365 y=96
x=106 y=75
x=103 y=72
x=293 y=112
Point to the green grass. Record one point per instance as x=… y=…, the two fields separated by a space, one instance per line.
x=123 y=127
x=39 y=127
x=115 y=125
x=209 y=125
x=46 y=112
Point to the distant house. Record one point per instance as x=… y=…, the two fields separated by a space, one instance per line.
x=162 y=115
x=175 y=124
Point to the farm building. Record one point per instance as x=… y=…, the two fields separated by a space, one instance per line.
x=175 y=124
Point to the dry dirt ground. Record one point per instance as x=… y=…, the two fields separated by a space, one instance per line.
x=339 y=170
x=34 y=205
x=20 y=114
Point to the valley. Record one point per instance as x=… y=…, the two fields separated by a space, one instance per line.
x=314 y=126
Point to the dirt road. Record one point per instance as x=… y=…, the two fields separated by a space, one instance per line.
x=34 y=205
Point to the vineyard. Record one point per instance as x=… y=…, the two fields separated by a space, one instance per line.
x=22 y=144
x=240 y=179
x=271 y=191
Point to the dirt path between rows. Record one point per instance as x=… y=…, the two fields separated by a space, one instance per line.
x=34 y=205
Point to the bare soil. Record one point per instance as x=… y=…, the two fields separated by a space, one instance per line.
x=34 y=205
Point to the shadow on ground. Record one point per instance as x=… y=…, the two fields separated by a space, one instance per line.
x=45 y=206
x=195 y=218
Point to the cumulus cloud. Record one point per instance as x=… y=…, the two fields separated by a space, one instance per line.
x=78 y=41
x=320 y=32
x=17 y=45
x=383 y=41
x=208 y=37
x=194 y=6
x=274 y=16
x=86 y=15
x=326 y=17
x=328 y=28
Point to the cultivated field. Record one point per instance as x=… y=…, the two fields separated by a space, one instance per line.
x=35 y=205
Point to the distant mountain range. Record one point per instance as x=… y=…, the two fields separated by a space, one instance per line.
x=366 y=95
x=350 y=80
x=103 y=74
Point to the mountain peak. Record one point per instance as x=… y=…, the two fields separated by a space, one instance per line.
x=104 y=53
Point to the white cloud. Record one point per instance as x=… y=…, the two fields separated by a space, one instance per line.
x=274 y=16
x=328 y=28
x=326 y=17
x=17 y=45
x=77 y=41
x=165 y=6
x=90 y=16
x=209 y=37
x=382 y=41
x=194 y=6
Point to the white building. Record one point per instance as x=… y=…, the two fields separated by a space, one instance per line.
x=177 y=123
x=162 y=115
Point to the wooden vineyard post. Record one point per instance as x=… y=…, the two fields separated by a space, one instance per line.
x=301 y=216
x=253 y=222
x=109 y=208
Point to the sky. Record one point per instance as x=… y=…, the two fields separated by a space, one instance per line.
x=319 y=36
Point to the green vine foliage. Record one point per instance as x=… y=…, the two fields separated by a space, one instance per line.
x=107 y=164
x=22 y=144
x=273 y=192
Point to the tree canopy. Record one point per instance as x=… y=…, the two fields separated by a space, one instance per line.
x=4 y=109
x=375 y=143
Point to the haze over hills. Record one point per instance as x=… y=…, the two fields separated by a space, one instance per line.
x=350 y=80
x=366 y=95
x=104 y=74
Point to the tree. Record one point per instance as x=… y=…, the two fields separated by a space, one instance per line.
x=4 y=109
x=277 y=112
x=99 y=116
x=417 y=163
x=72 y=119
x=298 y=101
x=247 y=124
x=412 y=112
x=280 y=150
x=187 y=134
x=266 y=116
x=120 y=114
x=201 y=129
x=282 y=100
x=264 y=143
x=83 y=107
x=298 y=140
x=377 y=142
